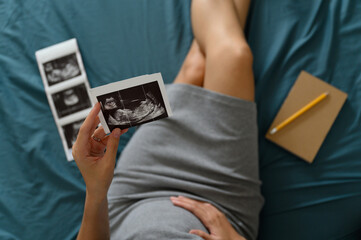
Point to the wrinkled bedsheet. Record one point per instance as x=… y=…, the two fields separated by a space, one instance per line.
x=41 y=194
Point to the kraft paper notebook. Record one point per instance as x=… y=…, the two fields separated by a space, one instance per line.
x=305 y=135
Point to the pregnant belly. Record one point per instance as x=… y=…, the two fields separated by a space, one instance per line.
x=154 y=219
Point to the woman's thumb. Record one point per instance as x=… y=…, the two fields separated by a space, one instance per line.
x=112 y=145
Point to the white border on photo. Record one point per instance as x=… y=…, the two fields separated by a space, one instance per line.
x=73 y=117
x=128 y=83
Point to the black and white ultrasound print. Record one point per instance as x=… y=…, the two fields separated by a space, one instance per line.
x=62 y=69
x=133 y=106
x=71 y=132
x=71 y=100
x=66 y=86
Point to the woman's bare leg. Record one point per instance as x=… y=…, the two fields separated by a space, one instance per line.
x=242 y=8
x=228 y=65
x=193 y=68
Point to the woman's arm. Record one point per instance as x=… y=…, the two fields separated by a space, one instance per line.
x=97 y=167
x=95 y=223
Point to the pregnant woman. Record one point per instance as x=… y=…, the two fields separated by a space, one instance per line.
x=195 y=174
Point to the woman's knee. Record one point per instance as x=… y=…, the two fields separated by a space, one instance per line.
x=244 y=54
x=231 y=61
x=233 y=52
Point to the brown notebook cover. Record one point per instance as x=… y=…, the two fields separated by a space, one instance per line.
x=305 y=135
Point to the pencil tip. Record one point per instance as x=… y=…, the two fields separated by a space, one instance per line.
x=273 y=131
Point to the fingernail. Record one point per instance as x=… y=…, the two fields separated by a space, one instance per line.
x=125 y=130
x=116 y=133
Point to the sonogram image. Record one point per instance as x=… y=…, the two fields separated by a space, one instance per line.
x=133 y=106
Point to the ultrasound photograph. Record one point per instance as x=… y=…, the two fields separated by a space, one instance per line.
x=71 y=132
x=71 y=100
x=133 y=106
x=61 y=69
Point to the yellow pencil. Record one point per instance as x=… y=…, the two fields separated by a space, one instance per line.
x=299 y=113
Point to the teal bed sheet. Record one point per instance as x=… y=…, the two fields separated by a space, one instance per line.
x=321 y=200
x=42 y=195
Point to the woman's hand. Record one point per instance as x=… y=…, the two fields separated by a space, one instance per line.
x=95 y=164
x=214 y=220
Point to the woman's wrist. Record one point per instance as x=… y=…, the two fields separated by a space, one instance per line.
x=95 y=223
x=235 y=235
x=239 y=237
x=95 y=198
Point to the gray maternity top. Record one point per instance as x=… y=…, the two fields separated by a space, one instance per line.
x=207 y=151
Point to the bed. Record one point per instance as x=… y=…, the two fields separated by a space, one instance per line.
x=42 y=194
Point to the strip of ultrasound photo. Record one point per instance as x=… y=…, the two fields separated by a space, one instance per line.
x=133 y=106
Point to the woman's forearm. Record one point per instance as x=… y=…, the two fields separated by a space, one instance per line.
x=96 y=160
x=95 y=224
